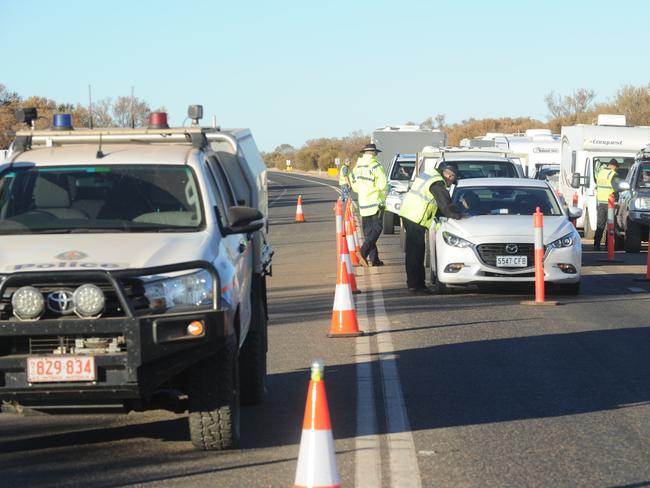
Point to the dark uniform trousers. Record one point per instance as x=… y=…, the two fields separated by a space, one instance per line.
x=414 y=257
x=372 y=227
x=601 y=224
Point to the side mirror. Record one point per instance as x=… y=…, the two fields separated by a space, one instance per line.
x=574 y=212
x=244 y=220
x=623 y=186
x=576 y=180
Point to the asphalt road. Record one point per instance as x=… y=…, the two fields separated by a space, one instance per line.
x=468 y=389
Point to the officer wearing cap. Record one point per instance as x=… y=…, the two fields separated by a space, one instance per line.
x=369 y=182
x=427 y=198
x=606 y=182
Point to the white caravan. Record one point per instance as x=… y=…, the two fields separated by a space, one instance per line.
x=584 y=149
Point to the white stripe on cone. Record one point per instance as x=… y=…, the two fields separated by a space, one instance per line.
x=316 y=460
x=351 y=247
x=343 y=298
x=348 y=262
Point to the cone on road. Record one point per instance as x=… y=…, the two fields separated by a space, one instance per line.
x=349 y=238
x=344 y=313
x=317 y=458
x=300 y=216
x=345 y=257
x=340 y=229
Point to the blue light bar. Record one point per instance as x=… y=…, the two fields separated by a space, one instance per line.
x=62 y=122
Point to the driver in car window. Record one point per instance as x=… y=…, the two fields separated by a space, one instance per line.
x=645 y=179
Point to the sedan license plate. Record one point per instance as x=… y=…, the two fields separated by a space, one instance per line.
x=60 y=369
x=512 y=261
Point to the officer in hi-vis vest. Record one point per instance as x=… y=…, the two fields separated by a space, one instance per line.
x=370 y=183
x=427 y=198
x=345 y=181
x=606 y=183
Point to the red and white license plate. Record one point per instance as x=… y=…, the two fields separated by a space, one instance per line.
x=60 y=369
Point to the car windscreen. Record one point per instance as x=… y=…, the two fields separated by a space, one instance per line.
x=506 y=200
x=484 y=169
x=402 y=170
x=643 y=176
x=99 y=198
x=624 y=165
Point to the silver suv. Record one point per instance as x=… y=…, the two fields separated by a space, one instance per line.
x=132 y=268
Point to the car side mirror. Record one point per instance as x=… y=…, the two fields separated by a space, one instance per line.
x=574 y=212
x=244 y=220
x=623 y=186
x=576 y=180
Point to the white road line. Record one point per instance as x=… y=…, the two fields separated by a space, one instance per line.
x=335 y=188
x=404 y=468
x=284 y=191
x=367 y=442
x=636 y=289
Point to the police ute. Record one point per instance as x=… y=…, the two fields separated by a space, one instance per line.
x=132 y=271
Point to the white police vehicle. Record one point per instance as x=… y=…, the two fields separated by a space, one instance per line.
x=132 y=271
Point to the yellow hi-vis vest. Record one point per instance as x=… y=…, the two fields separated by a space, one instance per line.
x=344 y=173
x=369 y=182
x=604 y=186
x=419 y=204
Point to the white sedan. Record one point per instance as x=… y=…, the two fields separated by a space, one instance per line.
x=495 y=242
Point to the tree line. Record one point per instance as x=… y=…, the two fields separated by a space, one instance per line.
x=123 y=111
x=577 y=107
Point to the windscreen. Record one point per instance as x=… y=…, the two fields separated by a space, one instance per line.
x=402 y=170
x=643 y=176
x=506 y=200
x=120 y=198
x=623 y=169
x=485 y=169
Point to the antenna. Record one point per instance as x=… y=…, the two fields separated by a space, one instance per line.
x=90 y=108
x=132 y=114
x=100 y=154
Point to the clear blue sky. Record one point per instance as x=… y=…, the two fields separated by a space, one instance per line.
x=296 y=70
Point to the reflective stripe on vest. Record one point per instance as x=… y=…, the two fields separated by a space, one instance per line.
x=419 y=204
x=604 y=184
x=368 y=182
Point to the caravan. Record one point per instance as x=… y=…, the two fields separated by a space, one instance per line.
x=584 y=149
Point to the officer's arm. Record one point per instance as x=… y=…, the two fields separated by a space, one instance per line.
x=443 y=200
x=381 y=183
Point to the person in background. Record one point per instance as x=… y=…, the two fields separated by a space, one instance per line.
x=427 y=199
x=370 y=183
x=606 y=183
x=345 y=182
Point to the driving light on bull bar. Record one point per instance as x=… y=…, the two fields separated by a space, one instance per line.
x=454 y=240
x=190 y=290
x=28 y=303
x=89 y=301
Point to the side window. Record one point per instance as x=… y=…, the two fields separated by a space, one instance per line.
x=220 y=176
x=222 y=204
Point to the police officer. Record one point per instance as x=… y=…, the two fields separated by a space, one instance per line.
x=370 y=183
x=606 y=182
x=345 y=182
x=427 y=198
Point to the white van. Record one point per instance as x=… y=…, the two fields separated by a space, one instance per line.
x=585 y=148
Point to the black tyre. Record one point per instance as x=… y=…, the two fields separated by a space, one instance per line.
x=588 y=231
x=570 y=289
x=213 y=392
x=402 y=236
x=632 y=243
x=252 y=358
x=389 y=222
x=436 y=285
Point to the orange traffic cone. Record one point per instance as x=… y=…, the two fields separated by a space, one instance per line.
x=317 y=458
x=345 y=257
x=340 y=230
x=349 y=237
x=344 y=313
x=300 y=217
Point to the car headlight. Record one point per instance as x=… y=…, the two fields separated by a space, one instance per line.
x=191 y=290
x=640 y=203
x=454 y=240
x=565 y=241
